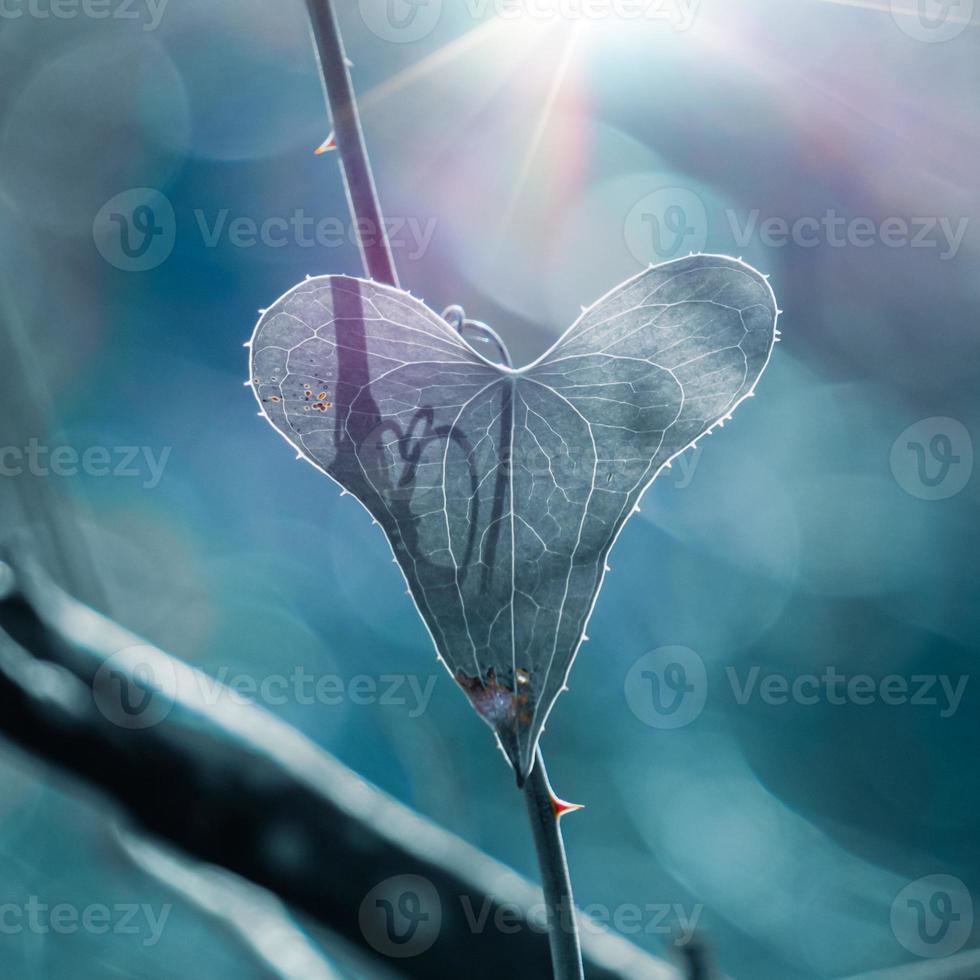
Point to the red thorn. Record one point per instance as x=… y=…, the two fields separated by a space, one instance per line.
x=561 y=807
x=330 y=143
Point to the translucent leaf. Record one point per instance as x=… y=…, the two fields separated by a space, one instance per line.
x=501 y=491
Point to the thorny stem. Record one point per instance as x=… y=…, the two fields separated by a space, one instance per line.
x=566 y=952
x=362 y=197
x=361 y=194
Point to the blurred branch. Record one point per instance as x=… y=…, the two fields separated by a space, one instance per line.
x=235 y=786
x=29 y=499
x=258 y=919
x=695 y=956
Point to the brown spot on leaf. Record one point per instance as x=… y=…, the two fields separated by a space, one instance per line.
x=498 y=705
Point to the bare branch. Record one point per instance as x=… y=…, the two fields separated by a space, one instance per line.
x=234 y=786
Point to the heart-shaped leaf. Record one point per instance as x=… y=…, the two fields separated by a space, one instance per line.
x=501 y=491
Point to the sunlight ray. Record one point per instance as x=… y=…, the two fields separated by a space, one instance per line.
x=438 y=60
x=539 y=130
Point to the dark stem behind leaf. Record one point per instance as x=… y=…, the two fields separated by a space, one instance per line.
x=361 y=194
